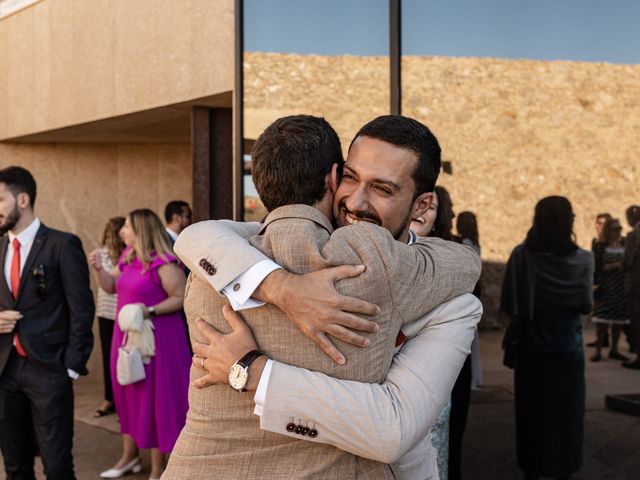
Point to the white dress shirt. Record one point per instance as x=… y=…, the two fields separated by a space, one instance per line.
x=171 y=233
x=26 y=239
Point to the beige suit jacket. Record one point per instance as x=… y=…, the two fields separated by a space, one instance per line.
x=392 y=420
x=222 y=435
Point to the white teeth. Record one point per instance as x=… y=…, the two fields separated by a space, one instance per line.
x=351 y=221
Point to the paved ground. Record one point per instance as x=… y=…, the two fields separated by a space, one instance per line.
x=612 y=443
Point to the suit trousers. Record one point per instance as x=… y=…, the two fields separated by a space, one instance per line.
x=33 y=400
x=460 y=400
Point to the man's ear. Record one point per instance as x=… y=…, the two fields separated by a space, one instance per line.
x=333 y=179
x=23 y=201
x=421 y=205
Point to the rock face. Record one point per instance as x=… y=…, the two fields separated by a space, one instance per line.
x=514 y=130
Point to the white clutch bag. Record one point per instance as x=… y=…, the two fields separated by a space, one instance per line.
x=129 y=366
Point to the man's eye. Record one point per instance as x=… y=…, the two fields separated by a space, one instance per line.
x=348 y=176
x=384 y=190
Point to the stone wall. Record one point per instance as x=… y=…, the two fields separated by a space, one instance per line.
x=514 y=130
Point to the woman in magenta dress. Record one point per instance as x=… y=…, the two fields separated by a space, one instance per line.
x=152 y=412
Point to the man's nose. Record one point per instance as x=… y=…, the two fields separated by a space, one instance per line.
x=358 y=200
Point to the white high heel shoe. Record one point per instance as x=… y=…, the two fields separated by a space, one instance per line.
x=132 y=467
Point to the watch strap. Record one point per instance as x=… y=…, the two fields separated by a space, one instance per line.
x=248 y=359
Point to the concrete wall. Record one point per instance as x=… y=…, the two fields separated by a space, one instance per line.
x=81 y=186
x=67 y=62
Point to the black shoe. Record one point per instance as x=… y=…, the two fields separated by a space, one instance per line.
x=635 y=365
x=618 y=356
x=605 y=344
x=103 y=412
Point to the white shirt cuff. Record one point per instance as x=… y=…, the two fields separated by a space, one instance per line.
x=73 y=374
x=261 y=392
x=240 y=290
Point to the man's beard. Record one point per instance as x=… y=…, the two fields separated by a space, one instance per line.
x=10 y=221
x=372 y=218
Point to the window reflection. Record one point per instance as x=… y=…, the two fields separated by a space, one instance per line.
x=327 y=58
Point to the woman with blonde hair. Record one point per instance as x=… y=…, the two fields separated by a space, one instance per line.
x=109 y=252
x=152 y=411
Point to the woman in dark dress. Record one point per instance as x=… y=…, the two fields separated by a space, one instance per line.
x=609 y=306
x=547 y=285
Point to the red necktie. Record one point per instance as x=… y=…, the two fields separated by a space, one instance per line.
x=15 y=285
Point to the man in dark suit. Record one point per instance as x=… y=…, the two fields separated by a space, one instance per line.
x=46 y=312
x=177 y=215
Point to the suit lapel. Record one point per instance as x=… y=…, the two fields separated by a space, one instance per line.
x=41 y=237
x=5 y=294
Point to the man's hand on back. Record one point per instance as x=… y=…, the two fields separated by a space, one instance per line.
x=313 y=304
x=222 y=350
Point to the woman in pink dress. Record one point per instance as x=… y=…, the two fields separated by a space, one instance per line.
x=152 y=411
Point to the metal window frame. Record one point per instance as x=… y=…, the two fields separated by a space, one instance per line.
x=395 y=86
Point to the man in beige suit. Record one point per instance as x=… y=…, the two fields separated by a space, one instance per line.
x=222 y=436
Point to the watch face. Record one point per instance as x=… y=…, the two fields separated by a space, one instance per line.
x=238 y=377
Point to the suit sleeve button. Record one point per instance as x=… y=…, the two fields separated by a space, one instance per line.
x=306 y=430
x=299 y=429
x=291 y=427
x=313 y=433
x=203 y=263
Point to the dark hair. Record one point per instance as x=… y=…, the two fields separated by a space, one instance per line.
x=607 y=230
x=174 y=207
x=19 y=180
x=467 y=226
x=606 y=216
x=633 y=215
x=111 y=238
x=291 y=159
x=407 y=133
x=444 y=215
x=552 y=230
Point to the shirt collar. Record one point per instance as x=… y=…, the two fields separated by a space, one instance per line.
x=28 y=235
x=172 y=234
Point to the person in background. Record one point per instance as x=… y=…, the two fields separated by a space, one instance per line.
x=46 y=315
x=447 y=433
x=152 y=411
x=437 y=222
x=598 y=245
x=547 y=285
x=632 y=270
x=467 y=228
x=110 y=249
x=177 y=215
x=610 y=308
